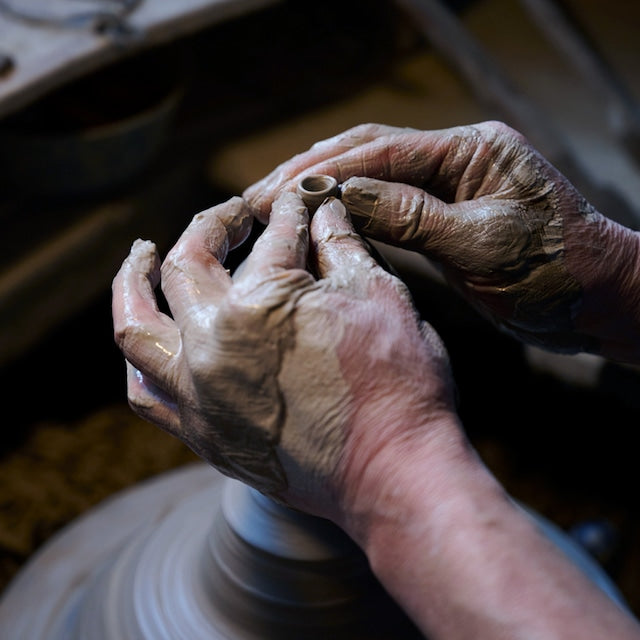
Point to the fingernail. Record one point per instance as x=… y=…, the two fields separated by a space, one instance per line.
x=336 y=207
x=360 y=199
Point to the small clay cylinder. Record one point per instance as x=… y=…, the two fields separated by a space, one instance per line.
x=315 y=189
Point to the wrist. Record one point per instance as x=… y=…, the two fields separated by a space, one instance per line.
x=604 y=257
x=406 y=479
x=423 y=513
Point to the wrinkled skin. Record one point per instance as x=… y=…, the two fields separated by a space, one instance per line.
x=266 y=372
x=509 y=231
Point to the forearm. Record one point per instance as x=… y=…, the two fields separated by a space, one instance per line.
x=465 y=562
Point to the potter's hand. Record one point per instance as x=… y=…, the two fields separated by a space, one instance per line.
x=287 y=380
x=510 y=232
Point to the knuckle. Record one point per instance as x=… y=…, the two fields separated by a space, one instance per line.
x=171 y=264
x=362 y=129
x=127 y=335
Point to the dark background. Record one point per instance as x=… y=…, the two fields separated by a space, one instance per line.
x=69 y=439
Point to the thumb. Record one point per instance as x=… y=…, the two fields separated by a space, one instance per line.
x=395 y=213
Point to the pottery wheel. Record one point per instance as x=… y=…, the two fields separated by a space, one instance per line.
x=193 y=555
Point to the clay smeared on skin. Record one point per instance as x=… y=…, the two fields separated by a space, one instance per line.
x=300 y=375
x=262 y=354
x=512 y=267
x=246 y=331
x=280 y=340
x=253 y=359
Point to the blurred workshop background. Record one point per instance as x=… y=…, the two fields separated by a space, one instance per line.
x=158 y=123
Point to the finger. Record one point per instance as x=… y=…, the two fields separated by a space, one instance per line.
x=261 y=195
x=284 y=244
x=150 y=402
x=340 y=253
x=406 y=216
x=451 y=163
x=347 y=262
x=193 y=276
x=147 y=337
x=405 y=155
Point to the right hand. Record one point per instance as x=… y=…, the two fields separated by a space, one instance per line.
x=510 y=232
x=290 y=380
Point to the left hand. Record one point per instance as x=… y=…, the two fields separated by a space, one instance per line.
x=286 y=378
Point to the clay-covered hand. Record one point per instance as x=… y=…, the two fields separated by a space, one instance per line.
x=509 y=231
x=290 y=374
